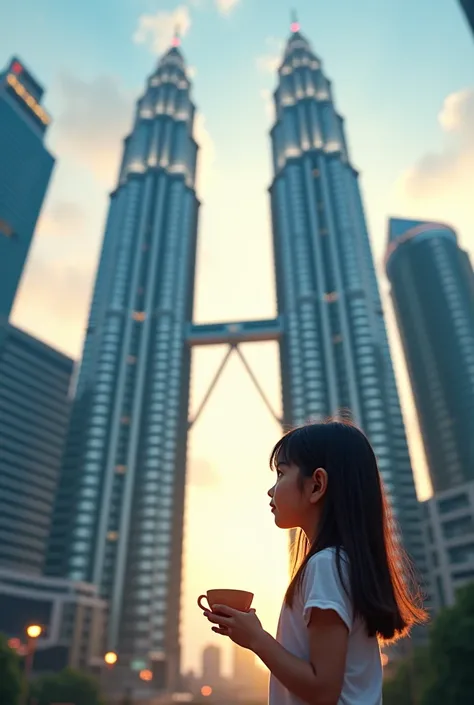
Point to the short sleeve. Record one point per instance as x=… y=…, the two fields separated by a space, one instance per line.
x=322 y=587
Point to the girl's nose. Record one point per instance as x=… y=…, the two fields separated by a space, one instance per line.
x=270 y=491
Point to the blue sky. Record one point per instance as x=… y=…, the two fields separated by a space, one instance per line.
x=403 y=77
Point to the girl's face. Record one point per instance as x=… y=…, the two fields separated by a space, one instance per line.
x=287 y=501
x=293 y=506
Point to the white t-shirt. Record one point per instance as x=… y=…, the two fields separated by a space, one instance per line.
x=321 y=587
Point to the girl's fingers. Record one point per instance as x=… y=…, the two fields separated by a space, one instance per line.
x=220 y=630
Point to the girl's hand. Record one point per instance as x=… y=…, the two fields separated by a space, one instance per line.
x=244 y=628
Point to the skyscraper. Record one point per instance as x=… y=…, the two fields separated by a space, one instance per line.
x=334 y=354
x=468 y=7
x=211 y=666
x=119 y=513
x=25 y=170
x=433 y=295
x=34 y=409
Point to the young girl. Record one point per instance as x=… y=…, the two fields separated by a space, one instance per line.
x=350 y=589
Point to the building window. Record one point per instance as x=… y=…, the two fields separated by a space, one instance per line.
x=125 y=420
x=460 y=501
x=458 y=527
x=139 y=316
x=112 y=536
x=121 y=469
x=336 y=339
x=461 y=554
x=331 y=296
x=131 y=359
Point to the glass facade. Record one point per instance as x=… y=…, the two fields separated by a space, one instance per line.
x=119 y=513
x=34 y=409
x=25 y=170
x=433 y=295
x=335 y=356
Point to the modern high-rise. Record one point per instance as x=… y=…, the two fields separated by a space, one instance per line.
x=468 y=7
x=119 y=514
x=34 y=410
x=25 y=170
x=433 y=296
x=211 y=666
x=334 y=353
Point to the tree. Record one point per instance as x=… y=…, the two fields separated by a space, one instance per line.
x=442 y=673
x=69 y=686
x=408 y=684
x=10 y=674
x=451 y=654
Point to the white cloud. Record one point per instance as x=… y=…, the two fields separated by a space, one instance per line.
x=271 y=60
x=60 y=219
x=206 y=157
x=157 y=30
x=439 y=185
x=191 y=72
x=94 y=120
x=269 y=104
x=226 y=6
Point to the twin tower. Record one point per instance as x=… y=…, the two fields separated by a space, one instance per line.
x=118 y=519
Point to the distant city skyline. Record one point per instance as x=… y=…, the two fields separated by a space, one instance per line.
x=404 y=181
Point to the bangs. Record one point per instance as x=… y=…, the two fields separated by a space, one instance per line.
x=287 y=450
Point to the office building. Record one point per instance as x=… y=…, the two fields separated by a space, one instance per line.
x=34 y=410
x=71 y=616
x=449 y=532
x=334 y=354
x=211 y=666
x=433 y=295
x=119 y=514
x=25 y=170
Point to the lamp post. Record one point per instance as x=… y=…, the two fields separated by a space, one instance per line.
x=110 y=659
x=33 y=632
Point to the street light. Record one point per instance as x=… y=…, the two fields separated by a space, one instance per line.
x=146 y=675
x=33 y=631
x=110 y=658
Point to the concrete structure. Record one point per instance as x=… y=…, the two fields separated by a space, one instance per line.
x=334 y=351
x=433 y=296
x=34 y=412
x=449 y=532
x=119 y=514
x=71 y=614
x=211 y=666
x=25 y=170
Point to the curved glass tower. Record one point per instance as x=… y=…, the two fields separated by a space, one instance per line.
x=119 y=515
x=433 y=295
x=334 y=354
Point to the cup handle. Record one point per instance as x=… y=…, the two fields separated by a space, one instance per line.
x=199 y=601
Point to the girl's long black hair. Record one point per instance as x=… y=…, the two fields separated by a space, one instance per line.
x=356 y=518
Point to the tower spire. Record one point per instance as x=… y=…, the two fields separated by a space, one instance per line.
x=295 y=25
x=176 y=41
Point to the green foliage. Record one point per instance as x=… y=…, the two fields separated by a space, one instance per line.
x=69 y=686
x=10 y=674
x=452 y=654
x=442 y=673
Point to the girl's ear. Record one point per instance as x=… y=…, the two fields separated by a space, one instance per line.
x=319 y=485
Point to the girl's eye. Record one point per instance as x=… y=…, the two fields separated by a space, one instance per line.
x=279 y=473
